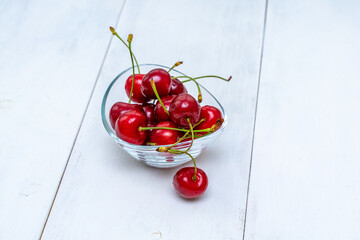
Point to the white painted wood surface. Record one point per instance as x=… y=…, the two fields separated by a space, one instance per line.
x=305 y=178
x=107 y=195
x=50 y=55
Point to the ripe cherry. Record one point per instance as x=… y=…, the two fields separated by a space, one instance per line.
x=160 y=113
x=164 y=136
x=127 y=127
x=177 y=87
x=119 y=108
x=137 y=96
x=211 y=115
x=149 y=113
x=162 y=82
x=188 y=186
x=184 y=107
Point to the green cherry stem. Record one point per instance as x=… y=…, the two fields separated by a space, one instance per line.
x=117 y=35
x=176 y=129
x=157 y=95
x=164 y=149
x=192 y=135
x=197 y=85
x=175 y=65
x=132 y=63
x=176 y=151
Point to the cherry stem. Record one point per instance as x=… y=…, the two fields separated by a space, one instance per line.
x=192 y=135
x=175 y=65
x=133 y=69
x=117 y=35
x=206 y=76
x=157 y=96
x=183 y=137
x=176 y=129
x=197 y=85
x=176 y=151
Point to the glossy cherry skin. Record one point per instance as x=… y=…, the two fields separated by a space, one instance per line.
x=162 y=82
x=148 y=110
x=160 y=113
x=164 y=136
x=211 y=115
x=127 y=127
x=137 y=97
x=186 y=186
x=119 y=108
x=183 y=107
x=177 y=87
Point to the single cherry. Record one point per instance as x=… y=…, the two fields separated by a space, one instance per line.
x=137 y=96
x=164 y=136
x=160 y=113
x=127 y=127
x=148 y=109
x=162 y=82
x=177 y=87
x=211 y=115
x=119 y=108
x=187 y=185
x=184 y=107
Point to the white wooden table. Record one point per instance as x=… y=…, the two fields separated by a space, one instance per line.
x=287 y=166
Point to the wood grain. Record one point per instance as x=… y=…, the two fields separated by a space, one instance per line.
x=305 y=179
x=107 y=195
x=50 y=55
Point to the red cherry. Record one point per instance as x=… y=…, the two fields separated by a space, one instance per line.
x=137 y=97
x=160 y=113
x=119 y=108
x=177 y=87
x=185 y=185
x=127 y=127
x=164 y=136
x=162 y=82
x=211 y=115
x=184 y=107
x=149 y=113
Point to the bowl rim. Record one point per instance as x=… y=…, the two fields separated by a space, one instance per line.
x=112 y=134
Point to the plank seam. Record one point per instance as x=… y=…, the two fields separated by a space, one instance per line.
x=82 y=120
x=255 y=115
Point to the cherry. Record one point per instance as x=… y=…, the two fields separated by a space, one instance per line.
x=177 y=87
x=164 y=136
x=127 y=127
x=162 y=82
x=119 y=108
x=184 y=107
x=211 y=116
x=187 y=185
x=160 y=113
x=137 y=96
x=148 y=109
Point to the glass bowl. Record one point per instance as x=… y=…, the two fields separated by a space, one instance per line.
x=148 y=154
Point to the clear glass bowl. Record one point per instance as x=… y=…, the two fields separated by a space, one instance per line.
x=148 y=154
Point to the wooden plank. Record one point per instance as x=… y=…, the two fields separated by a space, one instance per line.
x=305 y=178
x=107 y=195
x=50 y=55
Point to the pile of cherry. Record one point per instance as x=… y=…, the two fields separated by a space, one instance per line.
x=164 y=113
